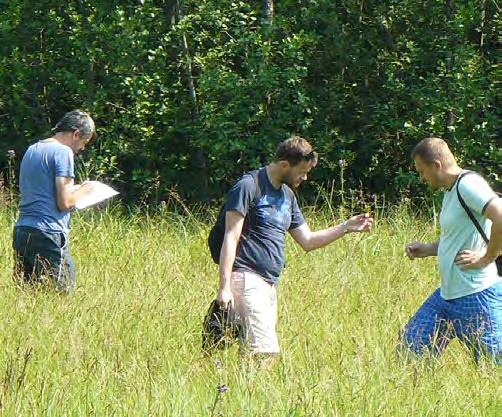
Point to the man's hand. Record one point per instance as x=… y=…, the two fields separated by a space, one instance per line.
x=360 y=223
x=67 y=195
x=86 y=188
x=468 y=259
x=420 y=250
x=225 y=298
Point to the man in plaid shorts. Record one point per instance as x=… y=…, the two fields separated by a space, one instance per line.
x=468 y=304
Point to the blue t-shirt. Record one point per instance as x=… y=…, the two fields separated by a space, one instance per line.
x=262 y=243
x=41 y=164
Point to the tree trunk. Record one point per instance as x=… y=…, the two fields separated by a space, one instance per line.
x=449 y=120
x=268 y=11
x=170 y=12
x=188 y=67
x=198 y=157
x=483 y=24
x=88 y=35
x=268 y=20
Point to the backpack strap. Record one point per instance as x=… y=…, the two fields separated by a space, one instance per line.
x=468 y=211
x=256 y=199
x=256 y=177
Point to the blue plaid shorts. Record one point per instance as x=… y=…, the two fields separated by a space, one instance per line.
x=475 y=319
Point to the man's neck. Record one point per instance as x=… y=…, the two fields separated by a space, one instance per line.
x=273 y=175
x=451 y=176
x=51 y=139
x=60 y=137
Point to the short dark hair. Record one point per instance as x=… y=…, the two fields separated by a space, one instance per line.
x=295 y=150
x=76 y=120
x=433 y=149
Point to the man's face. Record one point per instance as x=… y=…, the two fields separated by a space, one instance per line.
x=295 y=175
x=79 y=142
x=429 y=173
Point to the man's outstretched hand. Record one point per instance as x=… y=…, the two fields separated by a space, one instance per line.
x=359 y=223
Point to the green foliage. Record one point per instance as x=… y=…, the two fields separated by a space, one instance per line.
x=365 y=80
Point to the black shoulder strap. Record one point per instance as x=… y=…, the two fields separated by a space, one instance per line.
x=467 y=210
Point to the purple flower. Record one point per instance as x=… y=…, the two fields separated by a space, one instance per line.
x=222 y=388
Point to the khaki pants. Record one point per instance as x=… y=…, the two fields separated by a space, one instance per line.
x=256 y=304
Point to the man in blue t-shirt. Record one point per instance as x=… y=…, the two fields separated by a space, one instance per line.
x=48 y=195
x=260 y=209
x=468 y=304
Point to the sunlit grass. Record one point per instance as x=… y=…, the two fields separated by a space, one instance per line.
x=127 y=342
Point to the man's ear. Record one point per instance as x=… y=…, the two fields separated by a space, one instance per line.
x=76 y=134
x=437 y=164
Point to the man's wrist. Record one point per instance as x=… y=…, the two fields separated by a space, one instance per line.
x=488 y=259
x=345 y=227
x=225 y=282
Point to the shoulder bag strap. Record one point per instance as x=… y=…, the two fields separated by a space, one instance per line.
x=467 y=210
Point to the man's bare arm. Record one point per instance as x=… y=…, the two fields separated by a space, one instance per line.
x=65 y=196
x=234 y=222
x=309 y=240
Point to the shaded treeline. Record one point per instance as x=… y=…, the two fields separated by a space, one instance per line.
x=189 y=94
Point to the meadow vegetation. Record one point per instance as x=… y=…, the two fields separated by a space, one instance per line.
x=127 y=342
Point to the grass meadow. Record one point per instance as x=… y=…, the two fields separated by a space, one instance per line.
x=127 y=342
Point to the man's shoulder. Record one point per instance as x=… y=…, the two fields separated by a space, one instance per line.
x=243 y=189
x=471 y=181
x=248 y=179
x=33 y=148
x=473 y=191
x=52 y=147
x=288 y=192
x=59 y=147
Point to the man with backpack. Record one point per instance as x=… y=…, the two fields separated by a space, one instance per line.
x=468 y=304
x=261 y=207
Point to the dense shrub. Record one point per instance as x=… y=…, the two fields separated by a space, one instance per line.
x=365 y=80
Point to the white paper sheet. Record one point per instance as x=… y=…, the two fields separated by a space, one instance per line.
x=100 y=192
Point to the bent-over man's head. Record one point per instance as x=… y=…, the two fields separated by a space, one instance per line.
x=433 y=160
x=76 y=129
x=295 y=158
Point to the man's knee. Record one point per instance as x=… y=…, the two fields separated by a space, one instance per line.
x=410 y=341
x=424 y=339
x=257 y=360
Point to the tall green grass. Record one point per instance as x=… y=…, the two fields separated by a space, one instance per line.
x=127 y=342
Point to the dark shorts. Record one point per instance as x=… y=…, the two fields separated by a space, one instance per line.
x=43 y=257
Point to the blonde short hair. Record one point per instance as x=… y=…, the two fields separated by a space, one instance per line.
x=433 y=149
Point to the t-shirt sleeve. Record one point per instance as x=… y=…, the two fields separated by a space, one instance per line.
x=63 y=163
x=476 y=192
x=241 y=195
x=296 y=214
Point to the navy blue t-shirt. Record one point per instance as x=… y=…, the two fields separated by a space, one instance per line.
x=262 y=243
